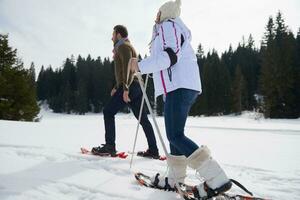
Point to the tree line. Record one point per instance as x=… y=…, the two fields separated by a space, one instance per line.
x=265 y=79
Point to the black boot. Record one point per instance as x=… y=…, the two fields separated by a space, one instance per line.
x=149 y=154
x=105 y=150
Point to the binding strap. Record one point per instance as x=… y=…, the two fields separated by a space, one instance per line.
x=167 y=186
x=214 y=192
x=241 y=186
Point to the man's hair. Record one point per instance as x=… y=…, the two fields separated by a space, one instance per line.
x=122 y=30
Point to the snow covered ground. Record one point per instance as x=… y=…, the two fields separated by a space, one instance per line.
x=42 y=161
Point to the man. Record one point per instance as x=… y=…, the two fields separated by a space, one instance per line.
x=176 y=75
x=126 y=92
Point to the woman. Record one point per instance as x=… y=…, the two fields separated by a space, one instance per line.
x=176 y=76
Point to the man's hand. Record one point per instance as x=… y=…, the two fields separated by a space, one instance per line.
x=126 y=96
x=133 y=65
x=113 y=91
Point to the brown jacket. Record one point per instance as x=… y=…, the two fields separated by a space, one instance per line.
x=122 y=56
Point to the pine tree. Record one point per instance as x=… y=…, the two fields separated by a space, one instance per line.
x=239 y=91
x=247 y=57
x=40 y=85
x=8 y=55
x=269 y=51
x=270 y=33
x=198 y=107
x=228 y=57
x=31 y=72
x=97 y=85
x=216 y=86
x=17 y=91
x=278 y=71
x=82 y=100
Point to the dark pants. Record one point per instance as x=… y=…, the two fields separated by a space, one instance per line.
x=116 y=103
x=177 y=107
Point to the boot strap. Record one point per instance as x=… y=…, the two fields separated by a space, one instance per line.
x=214 y=192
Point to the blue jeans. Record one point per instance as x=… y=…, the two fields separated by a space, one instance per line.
x=116 y=103
x=177 y=107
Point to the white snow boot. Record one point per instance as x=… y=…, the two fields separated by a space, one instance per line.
x=177 y=170
x=215 y=179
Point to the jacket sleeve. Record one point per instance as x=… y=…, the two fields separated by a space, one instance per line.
x=167 y=53
x=125 y=55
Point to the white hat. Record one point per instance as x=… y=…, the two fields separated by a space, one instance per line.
x=170 y=9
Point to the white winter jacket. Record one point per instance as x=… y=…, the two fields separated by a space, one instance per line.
x=183 y=74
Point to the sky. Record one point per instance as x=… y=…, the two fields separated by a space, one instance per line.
x=46 y=32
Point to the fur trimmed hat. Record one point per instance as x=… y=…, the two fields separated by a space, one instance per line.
x=170 y=9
